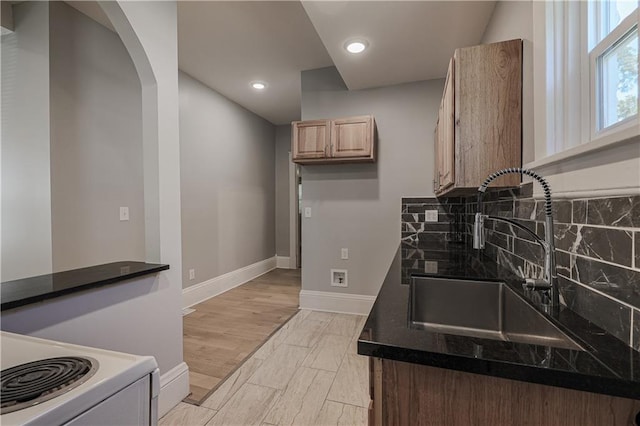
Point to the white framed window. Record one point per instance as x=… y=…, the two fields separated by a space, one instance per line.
x=586 y=64
x=612 y=34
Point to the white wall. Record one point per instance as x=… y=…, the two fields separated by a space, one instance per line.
x=26 y=188
x=96 y=144
x=228 y=184
x=283 y=148
x=357 y=206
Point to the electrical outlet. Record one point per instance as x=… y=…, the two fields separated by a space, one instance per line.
x=307 y=212
x=431 y=215
x=339 y=278
x=192 y=274
x=124 y=214
x=430 y=267
x=344 y=253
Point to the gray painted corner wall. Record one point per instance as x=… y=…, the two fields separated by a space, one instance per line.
x=147 y=308
x=227 y=171
x=357 y=206
x=283 y=148
x=96 y=144
x=26 y=189
x=510 y=19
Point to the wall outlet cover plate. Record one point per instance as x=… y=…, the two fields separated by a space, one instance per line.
x=339 y=278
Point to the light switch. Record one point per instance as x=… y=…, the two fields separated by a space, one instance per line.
x=124 y=214
x=344 y=253
x=307 y=212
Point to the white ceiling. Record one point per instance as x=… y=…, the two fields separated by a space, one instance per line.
x=228 y=44
x=408 y=41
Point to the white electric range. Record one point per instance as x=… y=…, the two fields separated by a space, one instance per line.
x=114 y=388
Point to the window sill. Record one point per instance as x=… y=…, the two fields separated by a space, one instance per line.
x=629 y=135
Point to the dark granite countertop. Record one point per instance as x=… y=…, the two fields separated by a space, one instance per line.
x=606 y=366
x=30 y=290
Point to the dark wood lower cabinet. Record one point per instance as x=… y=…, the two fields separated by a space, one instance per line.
x=412 y=394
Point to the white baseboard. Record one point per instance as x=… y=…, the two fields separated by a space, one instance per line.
x=215 y=286
x=174 y=387
x=284 y=262
x=358 y=304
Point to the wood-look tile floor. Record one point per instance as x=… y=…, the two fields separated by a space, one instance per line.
x=307 y=373
x=224 y=330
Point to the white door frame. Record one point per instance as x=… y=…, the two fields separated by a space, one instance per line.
x=293 y=214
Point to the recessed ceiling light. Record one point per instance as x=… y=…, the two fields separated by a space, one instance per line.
x=259 y=85
x=356 y=46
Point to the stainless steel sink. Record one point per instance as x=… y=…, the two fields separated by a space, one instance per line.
x=484 y=309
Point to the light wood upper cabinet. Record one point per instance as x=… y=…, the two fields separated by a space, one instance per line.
x=480 y=121
x=311 y=139
x=352 y=137
x=343 y=140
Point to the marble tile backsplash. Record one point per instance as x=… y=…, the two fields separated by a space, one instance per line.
x=597 y=252
x=597 y=247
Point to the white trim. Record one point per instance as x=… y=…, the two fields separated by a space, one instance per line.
x=600 y=144
x=358 y=304
x=174 y=387
x=215 y=286
x=293 y=213
x=284 y=262
x=622 y=191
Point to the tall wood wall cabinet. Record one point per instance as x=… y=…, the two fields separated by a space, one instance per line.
x=479 y=127
x=343 y=140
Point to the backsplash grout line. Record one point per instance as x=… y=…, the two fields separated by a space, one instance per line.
x=595 y=290
x=598 y=260
x=633 y=250
x=633 y=314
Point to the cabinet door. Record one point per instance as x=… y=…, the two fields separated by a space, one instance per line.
x=488 y=112
x=446 y=132
x=352 y=137
x=310 y=139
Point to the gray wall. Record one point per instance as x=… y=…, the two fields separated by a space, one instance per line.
x=357 y=206
x=96 y=144
x=227 y=174
x=283 y=147
x=143 y=315
x=26 y=191
x=511 y=20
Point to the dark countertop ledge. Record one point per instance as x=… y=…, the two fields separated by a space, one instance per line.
x=606 y=366
x=22 y=292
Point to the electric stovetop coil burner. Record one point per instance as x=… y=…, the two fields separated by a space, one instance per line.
x=29 y=384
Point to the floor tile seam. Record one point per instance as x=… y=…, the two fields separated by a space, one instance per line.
x=276 y=399
x=284 y=391
x=346 y=403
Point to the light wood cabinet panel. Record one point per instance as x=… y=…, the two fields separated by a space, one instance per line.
x=343 y=140
x=480 y=122
x=352 y=137
x=412 y=394
x=445 y=139
x=310 y=138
